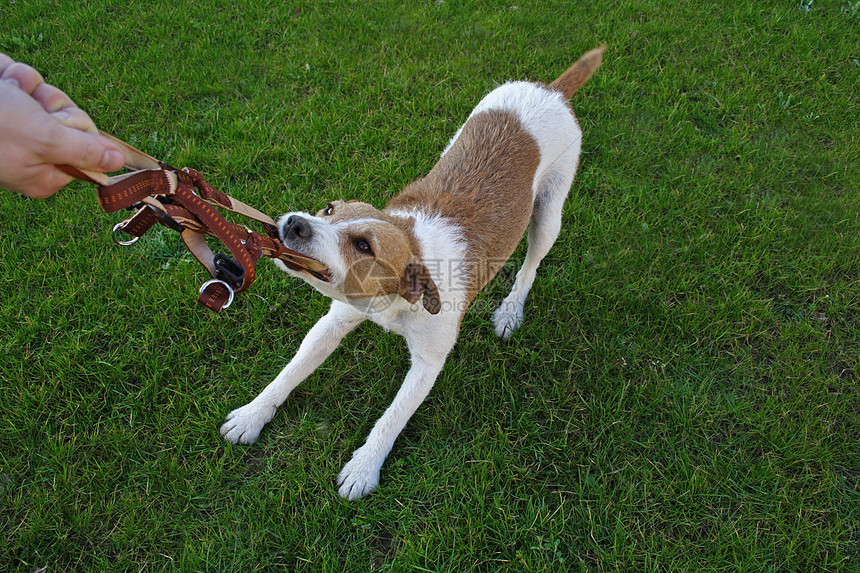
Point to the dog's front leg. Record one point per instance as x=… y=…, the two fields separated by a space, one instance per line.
x=429 y=349
x=243 y=425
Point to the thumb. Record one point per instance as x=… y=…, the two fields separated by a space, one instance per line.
x=83 y=150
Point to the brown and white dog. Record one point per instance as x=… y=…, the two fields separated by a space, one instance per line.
x=509 y=168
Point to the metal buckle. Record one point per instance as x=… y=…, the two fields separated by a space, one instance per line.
x=115 y=234
x=227 y=286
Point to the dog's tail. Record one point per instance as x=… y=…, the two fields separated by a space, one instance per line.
x=577 y=74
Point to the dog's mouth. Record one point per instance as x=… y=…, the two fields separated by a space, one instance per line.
x=299 y=262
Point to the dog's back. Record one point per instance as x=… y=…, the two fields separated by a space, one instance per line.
x=520 y=142
x=483 y=186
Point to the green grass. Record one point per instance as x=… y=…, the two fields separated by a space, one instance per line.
x=682 y=397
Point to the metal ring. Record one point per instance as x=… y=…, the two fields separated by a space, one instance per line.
x=115 y=234
x=227 y=286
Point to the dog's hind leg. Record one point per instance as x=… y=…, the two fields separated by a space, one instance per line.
x=544 y=227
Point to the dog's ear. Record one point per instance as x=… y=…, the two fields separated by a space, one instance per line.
x=416 y=284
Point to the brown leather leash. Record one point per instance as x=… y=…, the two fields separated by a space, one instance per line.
x=181 y=200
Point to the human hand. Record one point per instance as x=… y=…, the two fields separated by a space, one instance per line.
x=40 y=128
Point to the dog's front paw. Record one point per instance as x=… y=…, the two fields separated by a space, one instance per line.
x=359 y=476
x=243 y=424
x=507 y=318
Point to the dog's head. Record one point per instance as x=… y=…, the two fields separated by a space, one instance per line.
x=369 y=255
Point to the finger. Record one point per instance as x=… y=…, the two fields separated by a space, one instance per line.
x=28 y=79
x=75 y=118
x=83 y=150
x=52 y=99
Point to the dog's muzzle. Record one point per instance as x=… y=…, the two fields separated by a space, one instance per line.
x=295 y=230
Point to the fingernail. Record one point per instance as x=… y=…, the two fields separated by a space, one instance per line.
x=111 y=161
x=13 y=82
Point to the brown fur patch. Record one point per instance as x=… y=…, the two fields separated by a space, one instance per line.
x=484 y=185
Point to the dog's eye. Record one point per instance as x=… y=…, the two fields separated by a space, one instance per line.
x=363 y=246
x=329 y=209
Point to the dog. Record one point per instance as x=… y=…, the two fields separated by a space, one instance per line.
x=415 y=266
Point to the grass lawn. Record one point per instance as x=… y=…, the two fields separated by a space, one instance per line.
x=682 y=396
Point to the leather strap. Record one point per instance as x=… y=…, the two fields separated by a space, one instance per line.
x=184 y=201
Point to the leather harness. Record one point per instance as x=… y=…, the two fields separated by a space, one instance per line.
x=181 y=200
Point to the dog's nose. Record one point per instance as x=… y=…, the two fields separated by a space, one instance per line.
x=296 y=227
